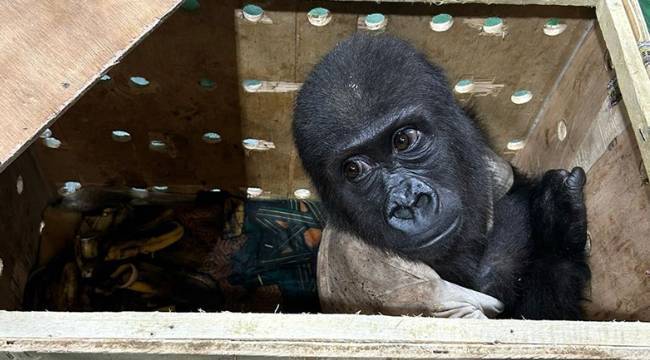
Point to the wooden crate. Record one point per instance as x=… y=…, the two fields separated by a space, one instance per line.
x=56 y=53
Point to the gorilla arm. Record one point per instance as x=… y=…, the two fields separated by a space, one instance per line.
x=356 y=277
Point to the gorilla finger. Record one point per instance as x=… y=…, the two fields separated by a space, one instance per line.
x=577 y=178
x=555 y=176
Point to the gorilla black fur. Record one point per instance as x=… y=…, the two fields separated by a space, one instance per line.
x=400 y=164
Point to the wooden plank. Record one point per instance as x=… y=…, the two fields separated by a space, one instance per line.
x=503 y=2
x=268 y=52
x=533 y=59
x=610 y=122
x=573 y=105
x=637 y=20
x=618 y=202
x=189 y=46
x=24 y=195
x=52 y=51
x=632 y=77
x=333 y=336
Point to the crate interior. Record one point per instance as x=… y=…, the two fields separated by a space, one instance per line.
x=183 y=115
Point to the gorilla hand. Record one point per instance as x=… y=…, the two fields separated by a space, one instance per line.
x=559 y=203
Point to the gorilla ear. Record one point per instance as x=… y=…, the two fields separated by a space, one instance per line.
x=502 y=176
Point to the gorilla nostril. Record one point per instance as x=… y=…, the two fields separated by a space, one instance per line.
x=403 y=213
x=422 y=200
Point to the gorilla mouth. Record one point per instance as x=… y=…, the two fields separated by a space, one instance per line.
x=431 y=238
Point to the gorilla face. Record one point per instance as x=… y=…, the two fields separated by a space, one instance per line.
x=394 y=158
x=397 y=172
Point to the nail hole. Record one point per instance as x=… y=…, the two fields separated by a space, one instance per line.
x=319 y=16
x=46 y=134
x=157 y=145
x=139 y=81
x=19 y=184
x=258 y=145
x=105 y=77
x=464 y=86
x=441 y=22
x=493 y=25
x=561 y=130
x=121 y=136
x=375 y=21
x=521 y=96
x=254 y=192
x=41 y=227
x=191 y=5
x=140 y=193
x=516 y=144
x=253 y=13
x=52 y=142
x=215 y=190
x=553 y=27
x=252 y=85
x=160 y=188
x=207 y=84
x=69 y=187
x=211 y=137
x=302 y=193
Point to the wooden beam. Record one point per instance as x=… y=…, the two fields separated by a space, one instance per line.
x=632 y=77
x=279 y=335
x=52 y=51
x=590 y=3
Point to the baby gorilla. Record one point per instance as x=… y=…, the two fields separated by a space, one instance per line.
x=400 y=164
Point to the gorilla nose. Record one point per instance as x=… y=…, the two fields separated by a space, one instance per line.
x=408 y=205
x=405 y=209
x=403 y=213
x=422 y=200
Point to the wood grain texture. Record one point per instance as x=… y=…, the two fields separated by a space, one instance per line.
x=576 y=101
x=618 y=202
x=188 y=47
x=20 y=218
x=268 y=52
x=610 y=122
x=524 y=59
x=334 y=336
x=52 y=51
x=633 y=79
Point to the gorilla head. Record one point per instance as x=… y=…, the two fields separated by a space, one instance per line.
x=394 y=158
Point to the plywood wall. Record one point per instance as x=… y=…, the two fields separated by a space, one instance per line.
x=597 y=136
x=43 y=71
x=24 y=193
x=213 y=42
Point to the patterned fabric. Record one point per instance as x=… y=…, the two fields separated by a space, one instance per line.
x=282 y=238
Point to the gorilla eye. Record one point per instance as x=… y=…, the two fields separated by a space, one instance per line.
x=353 y=169
x=404 y=138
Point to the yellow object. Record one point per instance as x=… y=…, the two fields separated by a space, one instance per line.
x=145 y=246
x=142 y=287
